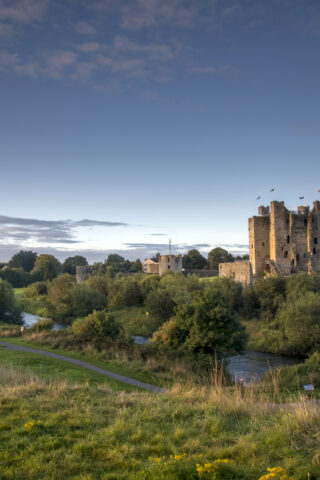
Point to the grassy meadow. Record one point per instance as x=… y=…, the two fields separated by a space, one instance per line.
x=84 y=427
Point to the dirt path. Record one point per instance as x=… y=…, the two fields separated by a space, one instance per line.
x=102 y=371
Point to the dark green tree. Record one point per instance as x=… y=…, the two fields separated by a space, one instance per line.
x=98 y=325
x=219 y=255
x=47 y=266
x=193 y=260
x=25 y=259
x=299 y=322
x=9 y=313
x=70 y=264
x=206 y=326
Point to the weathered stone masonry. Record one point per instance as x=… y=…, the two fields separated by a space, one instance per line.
x=284 y=242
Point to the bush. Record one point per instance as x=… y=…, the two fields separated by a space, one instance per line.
x=299 y=323
x=206 y=326
x=42 y=325
x=97 y=325
x=9 y=312
x=270 y=293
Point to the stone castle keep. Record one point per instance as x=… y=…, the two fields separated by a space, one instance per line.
x=282 y=242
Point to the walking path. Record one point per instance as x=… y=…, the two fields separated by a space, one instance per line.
x=80 y=363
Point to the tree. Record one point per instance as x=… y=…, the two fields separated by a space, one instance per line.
x=24 y=259
x=270 y=293
x=156 y=257
x=70 y=264
x=9 y=312
x=48 y=266
x=299 y=322
x=193 y=260
x=97 y=325
x=114 y=258
x=219 y=255
x=206 y=326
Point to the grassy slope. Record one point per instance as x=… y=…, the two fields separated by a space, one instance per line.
x=54 y=369
x=131 y=370
x=88 y=432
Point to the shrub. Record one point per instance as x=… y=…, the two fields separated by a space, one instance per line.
x=9 y=312
x=42 y=325
x=97 y=325
x=299 y=322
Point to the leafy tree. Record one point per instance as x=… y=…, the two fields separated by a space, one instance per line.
x=301 y=283
x=299 y=322
x=194 y=260
x=16 y=276
x=114 y=259
x=219 y=255
x=160 y=305
x=47 y=266
x=70 y=264
x=124 y=291
x=86 y=300
x=156 y=257
x=206 y=326
x=97 y=325
x=271 y=293
x=24 y=259
x=9 y=312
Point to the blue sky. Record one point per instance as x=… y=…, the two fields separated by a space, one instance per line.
x=153 y=119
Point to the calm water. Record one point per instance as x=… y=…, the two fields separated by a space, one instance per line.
x=251 y=366
x=30 y=319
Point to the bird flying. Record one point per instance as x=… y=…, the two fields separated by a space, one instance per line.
x=271 y=189
x=258 y=198
x=301 y=198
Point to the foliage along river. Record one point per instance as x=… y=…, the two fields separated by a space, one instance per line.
x=250 y=366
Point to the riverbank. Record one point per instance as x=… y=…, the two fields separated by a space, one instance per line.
x=89 y=431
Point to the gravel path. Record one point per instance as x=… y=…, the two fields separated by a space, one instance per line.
x=80 y=363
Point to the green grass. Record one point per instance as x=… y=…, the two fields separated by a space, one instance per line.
x=132 y=370
x=87 y=431
x=209 y=279
x=19 y=292
x=56 y=370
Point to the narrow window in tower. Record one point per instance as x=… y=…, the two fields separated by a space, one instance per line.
x=297 y=257
x=263 y=244
x=314 y=250
x=288 y=239
x=315 y=240
x=305 y=221
x=286 y=254
x=168 y=267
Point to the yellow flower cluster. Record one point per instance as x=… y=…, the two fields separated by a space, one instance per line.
x=172 y=457
x=210 y=467
x=28 y=426
x=278 y=473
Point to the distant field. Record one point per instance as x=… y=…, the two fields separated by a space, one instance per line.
x=209 y=279
x=19 y=292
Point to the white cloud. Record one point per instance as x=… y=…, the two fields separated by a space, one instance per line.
x=23 y=11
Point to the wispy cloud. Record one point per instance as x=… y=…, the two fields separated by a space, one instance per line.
x=14 y=229
x=23 y=11
x=84 y=28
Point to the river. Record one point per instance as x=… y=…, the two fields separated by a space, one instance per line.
x=29 y=320
x=251 y=366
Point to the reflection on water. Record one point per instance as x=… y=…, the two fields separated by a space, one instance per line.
x=251 y=366
x=29 y=320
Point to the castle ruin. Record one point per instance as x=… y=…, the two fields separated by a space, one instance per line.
x=283 y=242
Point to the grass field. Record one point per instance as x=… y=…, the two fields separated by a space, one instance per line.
x=55 y=370
x=84 y=429
x=131 y=369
